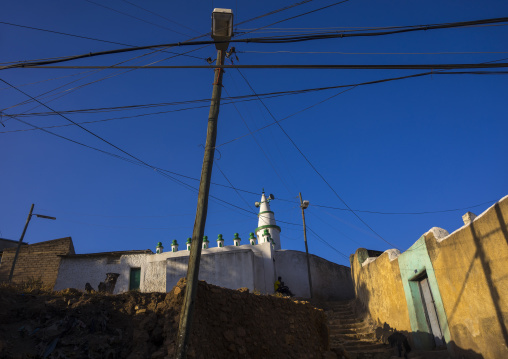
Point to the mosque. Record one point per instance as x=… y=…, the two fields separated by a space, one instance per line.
x=254 y=263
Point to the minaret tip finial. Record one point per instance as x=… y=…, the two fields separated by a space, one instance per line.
x=263 y=190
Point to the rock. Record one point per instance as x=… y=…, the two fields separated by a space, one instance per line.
x=229 y=335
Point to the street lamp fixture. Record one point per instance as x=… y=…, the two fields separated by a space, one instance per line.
x=271 y=197
x=222 y=27
x=43 y=216
x=305 y=204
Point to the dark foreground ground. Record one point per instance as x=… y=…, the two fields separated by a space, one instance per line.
x=227 y=324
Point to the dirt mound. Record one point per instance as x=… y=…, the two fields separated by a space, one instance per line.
x=227 y=324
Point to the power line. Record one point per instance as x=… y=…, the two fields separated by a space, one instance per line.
x=374 y=53
x=328 y=244
x=68 y=119
x=159 y=15
x=300 y=15
x=311 y=165
x=273 y=39
x=407 y=213
x=158 y=169
x=227 y=179
x=274 y=12
x=64 y=33
x=293 y=67
x=137 y=18
x=257 y=143
x=251 y=192
x=263 y=95
x=81 y=37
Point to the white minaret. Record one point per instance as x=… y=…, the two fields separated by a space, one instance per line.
x=267 y=222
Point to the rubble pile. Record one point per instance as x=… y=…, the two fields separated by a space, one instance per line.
x=227 y=324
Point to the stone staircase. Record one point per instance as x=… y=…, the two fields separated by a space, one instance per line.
x=353 y=335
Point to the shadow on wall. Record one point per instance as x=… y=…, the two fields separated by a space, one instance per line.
x=383 y=330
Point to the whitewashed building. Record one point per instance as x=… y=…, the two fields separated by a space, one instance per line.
x=252 y=265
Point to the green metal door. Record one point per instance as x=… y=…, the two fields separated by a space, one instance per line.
x=135 y=278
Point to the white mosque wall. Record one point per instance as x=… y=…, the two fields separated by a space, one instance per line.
x=255 y=267
x=231 y=267
x=330 y=281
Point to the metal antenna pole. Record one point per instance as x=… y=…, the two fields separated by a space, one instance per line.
x=306 y=247
x=187 y=311
x=19 y=243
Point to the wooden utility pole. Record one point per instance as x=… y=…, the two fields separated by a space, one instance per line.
x=305 y=239
x=187 y=312
x=19 y=243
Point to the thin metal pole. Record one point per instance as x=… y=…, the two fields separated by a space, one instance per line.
x=187 y=311
x=19 y=243
x=306 y=247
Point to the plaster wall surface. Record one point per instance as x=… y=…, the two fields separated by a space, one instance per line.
x=229 y=267
x=378 y=288
x=468 y=277
x=330 y=281
x=471 y=269
x=75 y=272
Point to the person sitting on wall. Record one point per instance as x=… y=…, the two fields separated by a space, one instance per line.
x=281 y=288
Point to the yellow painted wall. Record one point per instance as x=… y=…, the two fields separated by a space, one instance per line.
x=471 y=268
x=378 y=288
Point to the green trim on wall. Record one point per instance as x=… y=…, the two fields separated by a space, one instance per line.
x=413 y=263
x=268 y=226
x=265 y=212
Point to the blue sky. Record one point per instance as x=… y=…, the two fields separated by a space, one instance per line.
x=415 y=145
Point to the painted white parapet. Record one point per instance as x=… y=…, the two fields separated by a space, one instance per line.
x=266 y=222
x=159 y=249
x=205 y=242
x=189 y=241
x=220 y=241
x=252 y=238
x=236 y=240
x=174 y=246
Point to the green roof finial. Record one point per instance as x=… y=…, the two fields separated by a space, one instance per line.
x=236 y=236
x=263 y=190
x=189 y=240
x=251 y=235
x=159 y=244
x=205 y=239
x=219 y=238
x=174 y=243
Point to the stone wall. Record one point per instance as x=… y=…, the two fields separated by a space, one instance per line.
x=468 y=275
x=36 y=261
x=330 y=281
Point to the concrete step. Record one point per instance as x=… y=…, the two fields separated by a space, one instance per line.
x=361 y=345
x=352 y=336
x=347 y=324
x=340 y=314
x=345 y=320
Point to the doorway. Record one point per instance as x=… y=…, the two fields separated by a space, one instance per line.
x=431 y=315
x=135 y=279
